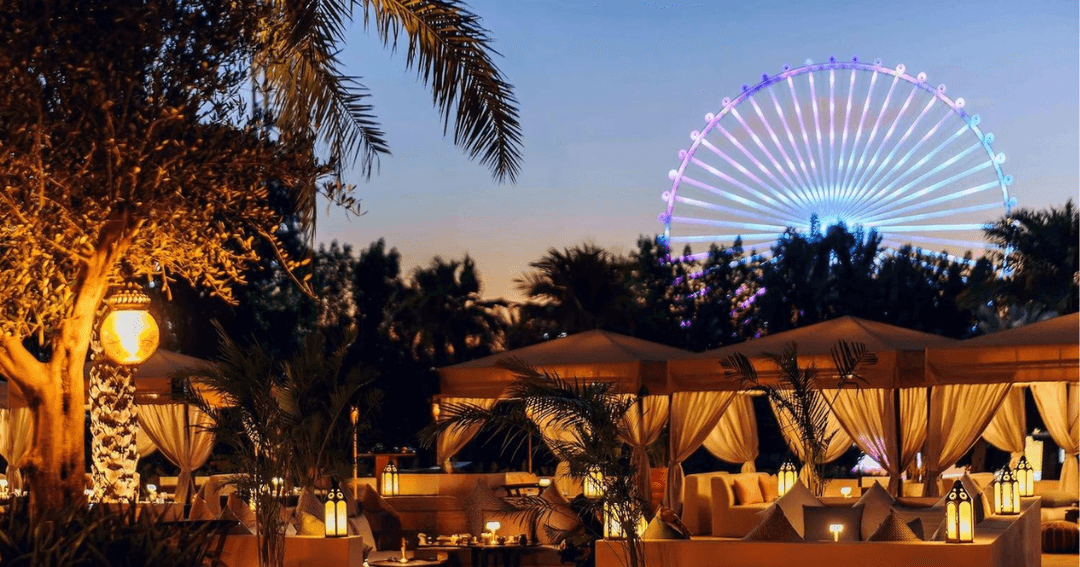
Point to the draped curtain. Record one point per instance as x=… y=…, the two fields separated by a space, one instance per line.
x=959 y=413
x=838 y=444
x=454 y=439
x=1006 y=430
x=16 y=429
x=642 y=424
x=868 y=415
x=693 y=416
x=143 y=444
x=1060 y=409
x=186 y=447
x=735 y=437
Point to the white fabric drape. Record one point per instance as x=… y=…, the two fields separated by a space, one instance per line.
x=454 y=439
x=1060 y=409
x=16 y=429
x=642 y=424
x=143 y=444
x=959 y=413
x=1006 y=430
x=735 y=437
x=838 y=445
x=693 y=417
x=186 y=447
x=868 y=415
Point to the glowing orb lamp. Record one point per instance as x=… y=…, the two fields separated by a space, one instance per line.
x=129 y=334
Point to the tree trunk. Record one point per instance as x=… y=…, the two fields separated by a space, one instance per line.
x=55 y=467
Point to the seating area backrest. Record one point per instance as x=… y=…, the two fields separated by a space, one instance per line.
x=698 y=502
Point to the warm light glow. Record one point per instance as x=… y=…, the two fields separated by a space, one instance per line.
x=593 y=487
x=354 y=415
x=335 y=515
x=389 y=485
x=435 y=411
x=493 y=527
x=836 y=529
x=1033 y=452
x=544 y=482
x=786 y=477
x=845 y=491
x=1006 y=493
x=129 y=336
x=1025 y=475
x=613 y=527
x=959 y=516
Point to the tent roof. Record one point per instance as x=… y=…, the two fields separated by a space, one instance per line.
x=900 y=354
x=596 y=355
x=1047 y=351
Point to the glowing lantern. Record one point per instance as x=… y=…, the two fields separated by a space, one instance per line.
x=1033 y=452
x=389 y=483
x=959 y=515
x=1006 y=493
x=593 y=487
x=493 y=527
x=129 y=334
x=1025 y=475
x=613 y=528
x=836 y=529
x=335 y=515
x=786 y=477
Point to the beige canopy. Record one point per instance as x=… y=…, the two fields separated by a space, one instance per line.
x=901 y=355
x=591 y=355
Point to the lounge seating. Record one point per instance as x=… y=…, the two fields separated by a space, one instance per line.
x=698 y=502
x=729 y=517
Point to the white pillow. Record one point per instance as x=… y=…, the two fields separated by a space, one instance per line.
x=876 y=503
x=359 y=525
x=792 y=504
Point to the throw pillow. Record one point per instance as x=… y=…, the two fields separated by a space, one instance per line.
x=893 y=529
x=310 y=525
x=1057 y=499
x=308 y=502
x=199 y=510
x=792 y=504
x=775 y=527
x=877 y=503
x=939 y=533
x=917 y=528
x=240 y=511
x=659 y=529
x=557 y=519
x=770 y=489
x=359 y=525
x=669 y=517
x=747 y=491
x=818 y=520
x=385 y=520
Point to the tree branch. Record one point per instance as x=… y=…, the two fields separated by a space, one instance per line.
x=19 y=366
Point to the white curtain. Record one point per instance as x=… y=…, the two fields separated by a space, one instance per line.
x=186 y=447
x=838 y=445
x=16 y=429
x=959 y=413
x=143 y=444
x=1060 y=409
x=693 y=417
x=735 y=437
x=868 y=415
x=1006 y=430
x=454 y=439
x=642 y=424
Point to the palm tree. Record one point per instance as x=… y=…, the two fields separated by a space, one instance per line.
x=591 y=411
x=799 y=394
x=577 y=289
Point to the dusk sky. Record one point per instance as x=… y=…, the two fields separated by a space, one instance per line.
x=609 y=92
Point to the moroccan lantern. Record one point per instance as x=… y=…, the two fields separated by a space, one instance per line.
x=129 y=334
x=593 y=487
x=336 y=515
x=959 y=515
x=786 y=477
x=1006 y=493
x=613 y=528
x=1025 y=475
x=389 y=485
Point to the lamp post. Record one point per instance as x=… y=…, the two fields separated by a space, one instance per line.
x=126 y=336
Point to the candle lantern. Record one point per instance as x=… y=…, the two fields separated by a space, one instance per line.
x=1025 y=475
x=335 y=514
x=835 y=529
x=129 y=334
x=786 y=477
x=593 y=485
x=959 y=515
x=389 y=485
x=613 y=528
x=1006 y=493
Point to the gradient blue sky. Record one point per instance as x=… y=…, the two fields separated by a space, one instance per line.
x=609 y=92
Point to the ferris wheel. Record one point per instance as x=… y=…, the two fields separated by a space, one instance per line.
x=845 y=141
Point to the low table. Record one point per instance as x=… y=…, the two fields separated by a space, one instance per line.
x=410 y=563
x=508 y=555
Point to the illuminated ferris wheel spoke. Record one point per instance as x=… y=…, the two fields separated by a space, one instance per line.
x=893 y=164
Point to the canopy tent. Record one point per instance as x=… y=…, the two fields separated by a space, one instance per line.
x=592 y=355
x=900 y=353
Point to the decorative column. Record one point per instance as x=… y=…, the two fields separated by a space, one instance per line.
x=114 y=426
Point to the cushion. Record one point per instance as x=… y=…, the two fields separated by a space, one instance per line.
x=237 y=509
x=384 y=519
x=893 y=529
x=359 y=525
x=939 y=533
x=1060 y=537
x=817 y=519
x=876 y=503
x=774 y=527
x=917 y=528
x=792 y=504
x=310 y=524
x=747 y=490
x=659 y=529
x=1057 y=499
x=308 y=502
x=556 y=520
x=481 y=505
x=770 y=489
x=669 y=517
x=199 y=510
